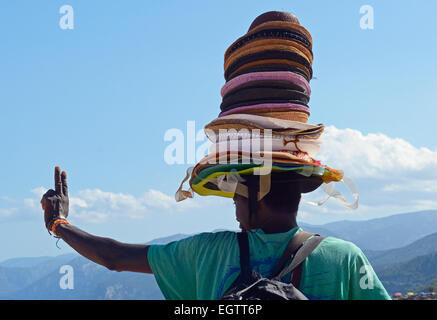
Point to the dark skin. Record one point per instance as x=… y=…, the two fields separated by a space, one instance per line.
x=119 y=256
x=270 y=219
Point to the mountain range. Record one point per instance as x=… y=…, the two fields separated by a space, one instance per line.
x=401 y=248
x=383 y=233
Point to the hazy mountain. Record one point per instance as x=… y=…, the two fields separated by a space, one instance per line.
x=410 y=268
x=40 y=262
x=386 y=233
x=169 y=239
x=38 y=278
x=318 y=230
x=417 y=273
x=91 y=281
x=16 y=274
x=423 y=246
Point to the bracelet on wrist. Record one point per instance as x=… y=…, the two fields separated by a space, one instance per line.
x=55 y=224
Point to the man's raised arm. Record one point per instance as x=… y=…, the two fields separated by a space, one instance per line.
x=107 y=252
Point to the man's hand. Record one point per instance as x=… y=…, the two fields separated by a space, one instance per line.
x=55 y=202
x=107 y=252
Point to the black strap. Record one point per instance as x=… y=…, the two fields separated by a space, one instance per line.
x=296 y=276
x=243 y=244
x=253 y=187
x=304 y=251
x=305 y=245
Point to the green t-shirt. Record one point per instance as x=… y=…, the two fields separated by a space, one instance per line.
x=204 y=266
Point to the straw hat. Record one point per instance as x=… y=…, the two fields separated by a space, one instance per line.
x=262 y=127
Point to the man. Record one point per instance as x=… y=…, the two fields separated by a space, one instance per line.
x=267 y=74
x=205 y=265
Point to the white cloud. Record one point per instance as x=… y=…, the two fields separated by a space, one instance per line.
x=39 y=191
x=90 y=199
x=6 y=212
x=92 y=216
x=392 y=175
x=425 y=204
x=78 y=202
x=95 y=205
x=374 y=155
x=155 y=198
x=426 y=186
x=130 y=206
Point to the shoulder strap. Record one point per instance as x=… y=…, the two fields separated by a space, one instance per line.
x=301 y=255
x=243 y=244
x=292 y=247
x=296 y=276
x=253 y=186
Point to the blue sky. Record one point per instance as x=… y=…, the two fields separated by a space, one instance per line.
x=98 y=99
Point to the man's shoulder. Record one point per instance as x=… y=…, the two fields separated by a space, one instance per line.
x=202 y=236
x=216 y=235
x=208 y=244
x=208 y=239
x=338 y=249
x=340 y=244
x=200 y=243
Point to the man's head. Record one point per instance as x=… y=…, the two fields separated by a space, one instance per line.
x=276 y=210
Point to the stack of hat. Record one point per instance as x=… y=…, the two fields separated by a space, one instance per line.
x=268 y=70
x=265 y=99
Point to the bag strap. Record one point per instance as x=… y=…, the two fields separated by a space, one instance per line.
x=296 y=248
x=296 y=276
x=253 y=186
x=292 y=247
x=303 y=252
x=243 y=244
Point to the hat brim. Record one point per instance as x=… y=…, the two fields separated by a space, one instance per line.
x=205 y=179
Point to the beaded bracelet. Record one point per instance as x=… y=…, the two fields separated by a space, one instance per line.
x=56 y=223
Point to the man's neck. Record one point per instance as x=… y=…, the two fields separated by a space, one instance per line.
x=278 y=229
x=277 y=222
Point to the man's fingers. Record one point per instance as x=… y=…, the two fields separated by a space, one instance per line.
x=64 y=183
x=49 y=193
x=58 y=182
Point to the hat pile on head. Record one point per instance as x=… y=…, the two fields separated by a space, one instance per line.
x=268 y=70
x=262 y=127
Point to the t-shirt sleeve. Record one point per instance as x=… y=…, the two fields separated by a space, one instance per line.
x=364 y=284
x=174 y=268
